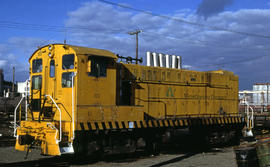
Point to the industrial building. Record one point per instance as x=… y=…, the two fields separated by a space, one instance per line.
x=258 y=97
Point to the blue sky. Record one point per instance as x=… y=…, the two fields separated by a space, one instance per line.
x=25 y=25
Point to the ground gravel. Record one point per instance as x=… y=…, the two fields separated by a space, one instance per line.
x=222 y=157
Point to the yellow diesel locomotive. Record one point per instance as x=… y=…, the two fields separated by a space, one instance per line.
x=83 y=100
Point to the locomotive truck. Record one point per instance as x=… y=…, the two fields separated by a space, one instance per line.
x=83 y=100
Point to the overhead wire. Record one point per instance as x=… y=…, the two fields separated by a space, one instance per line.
x=195 y=41
x=203 y=43
x=185 y=21
x=39 y=27
x=43 y=27
x=235 y=62
x=63 y=29
x=145 y=33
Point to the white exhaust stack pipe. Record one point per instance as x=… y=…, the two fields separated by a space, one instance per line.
x=148 y=58
x=173 y=61
x=161 y=60
x=179 y=60
x=167 y=61
x=155 y=59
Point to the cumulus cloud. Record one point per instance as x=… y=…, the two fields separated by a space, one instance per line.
x=26 y=44
x=15 y=53
x=211 y=7
x=105 y=26
x=202 y=48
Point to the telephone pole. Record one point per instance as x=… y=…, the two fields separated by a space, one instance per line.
x=13 y=80
x=136 y=33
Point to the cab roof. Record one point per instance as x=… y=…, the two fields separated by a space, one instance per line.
x=84 y=51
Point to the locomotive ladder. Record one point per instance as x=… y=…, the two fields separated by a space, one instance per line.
x=60 y=119
x=15 y=118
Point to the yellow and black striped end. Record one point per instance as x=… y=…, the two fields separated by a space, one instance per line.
x=159 y=123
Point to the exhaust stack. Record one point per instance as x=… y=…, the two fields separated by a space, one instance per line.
x=163 y=60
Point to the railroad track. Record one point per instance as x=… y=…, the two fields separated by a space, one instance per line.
x=7 y=141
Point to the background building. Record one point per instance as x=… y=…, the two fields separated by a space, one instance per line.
x=258 y=97
x=261 y=94
x=1 y=82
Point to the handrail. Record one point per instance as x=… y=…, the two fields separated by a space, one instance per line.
x=250 y=118
x=15 y=119
x=60 y=121
x=26 y=97
x=53 y=127
x=73 y=110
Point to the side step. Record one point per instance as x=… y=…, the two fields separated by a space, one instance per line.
x=67 y=150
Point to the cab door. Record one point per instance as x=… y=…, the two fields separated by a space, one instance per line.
x=66 y=84
x=36 y=86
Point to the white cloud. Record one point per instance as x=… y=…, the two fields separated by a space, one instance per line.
x=2 y=63
x=201 y=47
x=26 y=44
x=11 y=57
x=15 y=53
x=187 y=66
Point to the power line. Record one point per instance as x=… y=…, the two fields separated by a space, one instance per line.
x=203 y=43
x=195 y=42
x=235 y=62
x=185 y=21
x=43 y=27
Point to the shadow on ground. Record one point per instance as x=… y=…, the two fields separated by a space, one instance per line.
x=69 y=160
x=182 y=151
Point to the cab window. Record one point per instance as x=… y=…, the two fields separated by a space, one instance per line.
x=68 y=62
x=36 y=82
x=67 y=79
x=98 y=66
x=37 y=65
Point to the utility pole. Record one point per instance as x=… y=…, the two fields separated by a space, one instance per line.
x=13 y=80
x=136 y=33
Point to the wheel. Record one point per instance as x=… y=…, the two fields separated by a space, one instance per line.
x=153 y=148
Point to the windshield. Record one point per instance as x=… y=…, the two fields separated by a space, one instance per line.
x=68 y=62
x=37 y=65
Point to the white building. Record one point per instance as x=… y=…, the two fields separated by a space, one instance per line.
x=260 y=95
x=23 y=87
